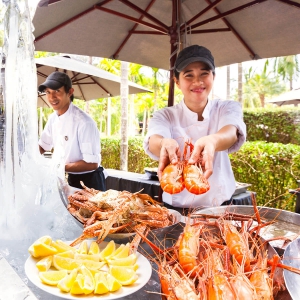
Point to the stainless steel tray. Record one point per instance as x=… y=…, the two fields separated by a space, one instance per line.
x=292 y=258
x=240 y=188
x=286 y=223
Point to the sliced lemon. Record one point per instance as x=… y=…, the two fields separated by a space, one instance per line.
x=113 y=283
x=40 y=249
x=93 y=265
x=127 y=261
x=44 y=239
x=94 y=248
x=62 y=246
x=69 y=253
x=101 y=284
x=65 y=263
x=78 y=285
x=94 y=257
x=108 y=250
x=83 y=248
x=124 y=274
x=89 y=282
x=66 y=283
x=44 y=264
x=124 y=252
x=52 y=277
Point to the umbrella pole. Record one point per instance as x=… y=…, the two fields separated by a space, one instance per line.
x=174 y=42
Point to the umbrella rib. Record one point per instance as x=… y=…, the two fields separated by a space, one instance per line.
x=116 y=54
x=209 y=7
x=144 y=13
x=290 y=3
x=229 y=12
x=135 y=20
x=80 y=89
x=252 y=54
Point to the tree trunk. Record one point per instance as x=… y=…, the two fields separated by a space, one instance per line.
x=228 y=83
x=144 y=122
x=262 y=100
x=108 y=125
x=240 y=83
x=87 y=104
x=124 y=115
x=41 y=121
x=291 y=83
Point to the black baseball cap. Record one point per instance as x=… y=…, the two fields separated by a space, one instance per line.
x=55 y=81
x=192 y=54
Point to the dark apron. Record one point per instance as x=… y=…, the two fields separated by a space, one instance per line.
x=95 y=180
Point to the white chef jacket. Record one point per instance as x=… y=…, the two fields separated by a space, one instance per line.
x=180 y=123
x=77 y=131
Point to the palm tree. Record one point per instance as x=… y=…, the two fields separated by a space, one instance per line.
x=288 y=68
x=262 y=85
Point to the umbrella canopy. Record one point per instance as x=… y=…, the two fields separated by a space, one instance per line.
x=151 y=32
x=88 y=81
x=288 y=98
x=42 y=101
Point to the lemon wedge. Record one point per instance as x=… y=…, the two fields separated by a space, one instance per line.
x=124 y=274
x=66 y=283
x=44 y=264
x=126 y=261
x=94 y=248
x=65 y=263
x=52 y=277
x=83 y=248
x=108 y=250
x=101 y=284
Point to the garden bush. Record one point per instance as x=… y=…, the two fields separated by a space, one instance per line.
x=276 y=125
x=271 y=168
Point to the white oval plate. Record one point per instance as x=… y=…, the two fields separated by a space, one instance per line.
x=144 y=273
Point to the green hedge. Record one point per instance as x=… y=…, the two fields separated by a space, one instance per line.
x=137 y=158
x=277 y=125
x=271 y=168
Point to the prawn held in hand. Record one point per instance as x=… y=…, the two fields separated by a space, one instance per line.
x=194 y=180
x=172 y=179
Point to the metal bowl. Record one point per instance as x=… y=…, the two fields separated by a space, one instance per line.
x=292 y=258
x=286 y=223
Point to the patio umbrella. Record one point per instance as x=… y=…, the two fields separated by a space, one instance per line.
x=88 y=81
x=151 y=32
x=42 y=101
x=288 y=98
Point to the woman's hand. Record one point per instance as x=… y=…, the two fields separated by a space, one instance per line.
x=166 y=149
x=205 y=147
x=204 y=152
x=169 y=153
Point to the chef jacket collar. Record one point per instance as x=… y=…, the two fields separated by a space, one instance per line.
x=66 y=114
x=194 y=116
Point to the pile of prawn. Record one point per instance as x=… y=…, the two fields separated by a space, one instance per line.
x=219 y=257
x=103 y=213
x=175 y=178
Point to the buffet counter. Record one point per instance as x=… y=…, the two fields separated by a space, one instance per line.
x=135 y=182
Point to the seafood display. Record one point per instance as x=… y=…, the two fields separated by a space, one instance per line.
x=219 y=257
x=182 y=175
x=103 y=213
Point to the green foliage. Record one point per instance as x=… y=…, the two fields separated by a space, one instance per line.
x=273 y=125
x=137 y=158
x=271 y=168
